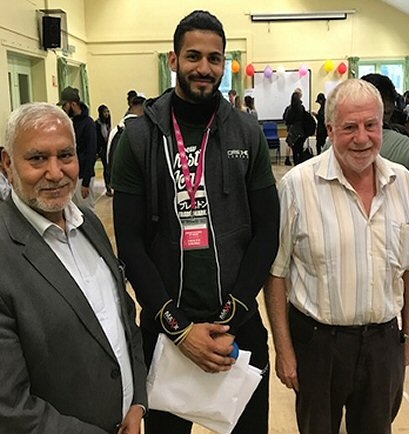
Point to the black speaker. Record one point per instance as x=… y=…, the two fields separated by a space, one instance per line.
x=51 y=32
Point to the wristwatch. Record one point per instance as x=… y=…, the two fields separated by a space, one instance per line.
x=404 y=337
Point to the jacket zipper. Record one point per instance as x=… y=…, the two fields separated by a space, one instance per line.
x=216 y=253
x=167 y=143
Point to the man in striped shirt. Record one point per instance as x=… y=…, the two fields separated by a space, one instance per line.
x=339 y=282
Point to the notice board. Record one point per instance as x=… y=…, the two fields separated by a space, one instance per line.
x=272 y=95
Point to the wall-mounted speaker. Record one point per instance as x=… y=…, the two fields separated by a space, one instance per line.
x=51 y=32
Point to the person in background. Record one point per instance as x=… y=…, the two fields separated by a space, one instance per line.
x=321 y=134
x=288 y=150
x=103 y=127
x=237 y=103
x=340 y=279
x=86 y=140
x=249 y=106
x=129 y=97
x=135 y=110
x=294 y=119
x=71 y=353
x=196 y=219
x=232 y=95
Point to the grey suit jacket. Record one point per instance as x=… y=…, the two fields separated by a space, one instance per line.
x=58 y=373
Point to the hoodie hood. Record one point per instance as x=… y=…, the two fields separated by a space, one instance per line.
x=84 y=111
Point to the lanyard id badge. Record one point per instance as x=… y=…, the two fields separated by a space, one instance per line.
x=190 y=187
x=195 y=234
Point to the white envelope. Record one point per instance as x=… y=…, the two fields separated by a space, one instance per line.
x=216 y=401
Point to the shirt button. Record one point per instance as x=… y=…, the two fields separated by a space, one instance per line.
x=115 y=374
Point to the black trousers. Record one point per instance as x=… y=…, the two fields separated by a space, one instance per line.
x=252 y=336
x=106 y=169
x=360 y=369
x=321 y=138
x=298 y=150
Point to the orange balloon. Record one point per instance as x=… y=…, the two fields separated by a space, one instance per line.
x=235 y=67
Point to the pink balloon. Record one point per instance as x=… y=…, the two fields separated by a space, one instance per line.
x=303 y=70
x=268 y=72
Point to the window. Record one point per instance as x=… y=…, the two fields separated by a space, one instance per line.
x=393 y=69
x=226 y=83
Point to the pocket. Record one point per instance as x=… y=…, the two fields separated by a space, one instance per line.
x=302 y=328
x=398 y=249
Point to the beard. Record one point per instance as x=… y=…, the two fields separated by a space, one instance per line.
x=199 y=95
x=39 y=204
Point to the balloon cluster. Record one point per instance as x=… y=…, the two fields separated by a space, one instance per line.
x=268 y=70
x=329 y=66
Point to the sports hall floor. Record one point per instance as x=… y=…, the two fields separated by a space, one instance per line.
x=282 y=417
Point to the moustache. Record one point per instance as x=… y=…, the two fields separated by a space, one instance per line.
x=53 y=185
x=199 y=77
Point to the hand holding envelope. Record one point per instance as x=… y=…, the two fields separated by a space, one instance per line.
x=216 y=401
x=208 y=346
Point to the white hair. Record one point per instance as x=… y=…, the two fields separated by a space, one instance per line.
x=32 y=115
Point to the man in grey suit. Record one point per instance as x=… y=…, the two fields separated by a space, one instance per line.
x=70 y=353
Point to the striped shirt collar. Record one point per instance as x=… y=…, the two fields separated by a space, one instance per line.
x=330 y=169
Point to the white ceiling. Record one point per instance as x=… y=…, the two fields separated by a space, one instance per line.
x=402 y=5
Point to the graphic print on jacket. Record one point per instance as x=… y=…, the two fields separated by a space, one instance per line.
x=199 y=295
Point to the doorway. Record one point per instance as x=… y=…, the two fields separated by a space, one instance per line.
x=20 y=80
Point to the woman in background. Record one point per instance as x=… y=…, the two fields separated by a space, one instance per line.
x=321 y=134
x=249 y=106
x=289 y=149
x=103 y=125
x=294 y=119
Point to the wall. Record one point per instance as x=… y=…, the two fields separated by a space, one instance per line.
x=19 y=35
x=125 y=38
x=119 y=40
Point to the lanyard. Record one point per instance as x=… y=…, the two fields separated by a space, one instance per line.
x=191 y=189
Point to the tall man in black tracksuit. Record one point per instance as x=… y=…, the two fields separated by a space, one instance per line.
x=196 y=219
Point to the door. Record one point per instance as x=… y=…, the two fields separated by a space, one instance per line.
x=20 y=80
